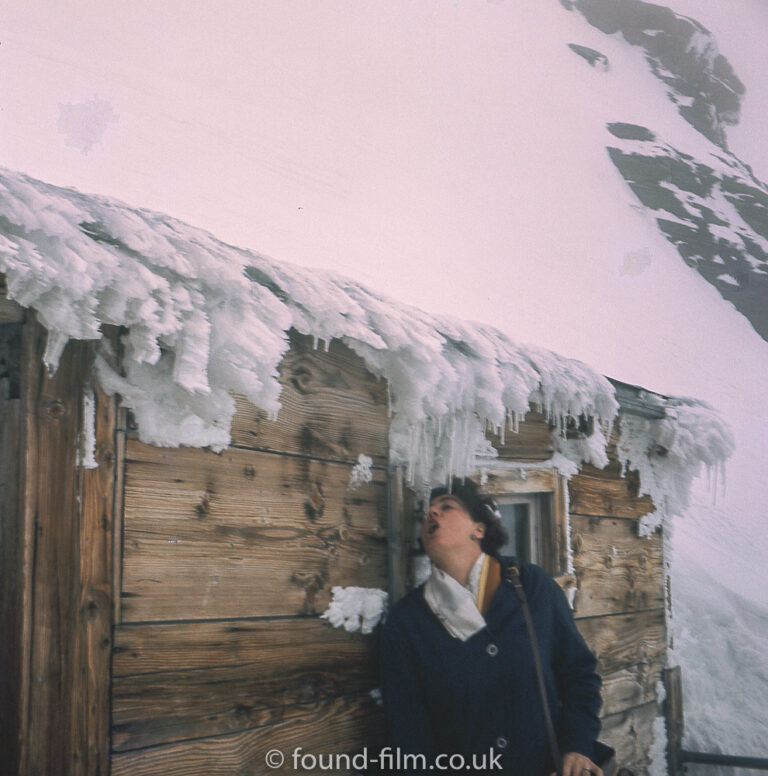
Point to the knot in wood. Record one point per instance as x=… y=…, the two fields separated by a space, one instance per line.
x=301 y=379
x=311 y=583
x=204 y=507
x=308 y=580
x=55 y=408
x=91 y=609
x=314 y=506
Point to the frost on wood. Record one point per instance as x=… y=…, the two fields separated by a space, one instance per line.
x=204 y=319
x=668 y=454
x=361 y=472
x=87 y=452
x=356 y=608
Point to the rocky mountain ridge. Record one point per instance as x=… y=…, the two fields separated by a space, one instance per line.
x=713 y=209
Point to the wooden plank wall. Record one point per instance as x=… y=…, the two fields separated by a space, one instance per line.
x=11 y=544
x=226 y=562
x=619 y=606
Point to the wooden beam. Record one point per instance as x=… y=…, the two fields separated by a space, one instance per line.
x=11 y=565
x=501 y=481
x=90 y=702
x=65 y=576
x=673 y=714
x=397 y=541
x=118 y=511
x=53 y=421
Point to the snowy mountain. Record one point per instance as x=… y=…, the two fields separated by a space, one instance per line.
x=710 y=206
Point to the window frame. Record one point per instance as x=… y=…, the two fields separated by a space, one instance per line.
x=548 y=489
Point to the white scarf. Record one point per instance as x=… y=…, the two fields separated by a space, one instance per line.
x=453 y=604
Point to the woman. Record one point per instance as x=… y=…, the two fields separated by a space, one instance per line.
x=458 y=673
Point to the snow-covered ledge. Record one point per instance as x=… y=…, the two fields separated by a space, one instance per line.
x=205 y=319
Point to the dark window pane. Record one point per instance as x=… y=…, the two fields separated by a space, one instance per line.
x=516 y=518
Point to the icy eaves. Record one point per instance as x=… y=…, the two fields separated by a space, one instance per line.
x=205 y=320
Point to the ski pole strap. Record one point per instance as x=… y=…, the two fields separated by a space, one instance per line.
x=514 y=575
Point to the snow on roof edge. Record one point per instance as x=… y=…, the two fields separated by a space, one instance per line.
x=205 y=319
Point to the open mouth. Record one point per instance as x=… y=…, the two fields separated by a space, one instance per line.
x=432 y=528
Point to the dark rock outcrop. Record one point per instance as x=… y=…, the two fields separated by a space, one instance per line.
x=682 y=53
x=715 y=212
x=595 y=58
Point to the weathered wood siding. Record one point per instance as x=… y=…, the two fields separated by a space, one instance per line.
x=11 y=544
x=57 y=547
x=619 y=606
x=226 y=562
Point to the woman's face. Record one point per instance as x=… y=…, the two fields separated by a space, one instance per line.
x=449 y=528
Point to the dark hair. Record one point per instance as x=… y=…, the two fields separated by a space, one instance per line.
x=482 y=509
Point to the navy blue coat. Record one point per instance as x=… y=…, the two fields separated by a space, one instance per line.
x=444 y=695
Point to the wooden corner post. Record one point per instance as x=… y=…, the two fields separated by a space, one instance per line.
x=66 y=517
x=673 y=712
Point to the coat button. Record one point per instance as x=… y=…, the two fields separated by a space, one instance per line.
x=492 y=650
x=502 y=742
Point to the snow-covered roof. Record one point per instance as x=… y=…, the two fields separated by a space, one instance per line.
x=205 y=319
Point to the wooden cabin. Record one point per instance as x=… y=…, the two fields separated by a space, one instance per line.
x=161 y=612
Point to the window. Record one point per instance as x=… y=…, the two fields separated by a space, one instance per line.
x=532 y=506
x=519 y=516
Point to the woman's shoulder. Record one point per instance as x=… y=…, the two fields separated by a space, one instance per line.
x=533 y=577
x=410 y=606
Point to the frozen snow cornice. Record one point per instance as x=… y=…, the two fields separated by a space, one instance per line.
x=205 y=320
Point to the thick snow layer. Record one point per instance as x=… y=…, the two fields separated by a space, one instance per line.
x=719 y=640
x=205 y=319
x=668 y=454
